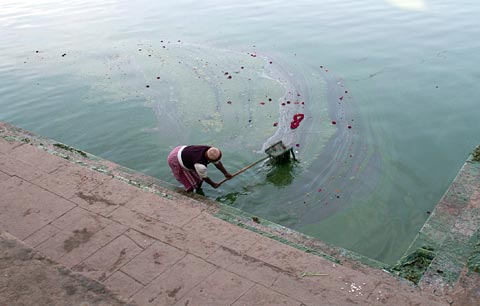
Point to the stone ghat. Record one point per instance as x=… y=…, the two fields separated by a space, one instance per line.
x=152 y=245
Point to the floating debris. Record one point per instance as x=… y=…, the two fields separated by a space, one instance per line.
x=297 y=118
x=310 y=274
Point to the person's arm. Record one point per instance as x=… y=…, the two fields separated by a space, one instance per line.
x=202 y=173
x=220 y=167
x=210 y=182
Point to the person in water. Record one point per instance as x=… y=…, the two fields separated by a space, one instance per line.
x=189 y=165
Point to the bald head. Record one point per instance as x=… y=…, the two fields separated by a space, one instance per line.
x=214 y=154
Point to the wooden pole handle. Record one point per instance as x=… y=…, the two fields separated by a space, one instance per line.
x=243 y=170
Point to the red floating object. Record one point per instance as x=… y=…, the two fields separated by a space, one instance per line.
x=349 y=126
x=341 y=98
x=158 y=78
x=229 y=77
x=275 y=124
x=262 y=103
x=298 y=117
x=334 y=122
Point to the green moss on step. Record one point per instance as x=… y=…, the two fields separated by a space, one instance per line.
x=413 y=266
x=476 y=154
x=70 y=149
x=473 y=261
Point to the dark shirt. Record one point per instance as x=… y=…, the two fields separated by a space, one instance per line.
x=192 y=155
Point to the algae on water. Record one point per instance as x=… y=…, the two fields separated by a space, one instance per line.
x=413 y=266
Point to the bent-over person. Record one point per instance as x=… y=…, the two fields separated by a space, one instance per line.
x=189 y=165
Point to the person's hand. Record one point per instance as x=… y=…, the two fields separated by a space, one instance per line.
x=228 y=176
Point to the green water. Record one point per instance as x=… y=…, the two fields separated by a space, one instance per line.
x=407 y=71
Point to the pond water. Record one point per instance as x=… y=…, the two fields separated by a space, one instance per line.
x=388 y=90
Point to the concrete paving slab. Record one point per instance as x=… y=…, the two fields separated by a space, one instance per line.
x=4 y=176
x=152 y=262
x=173 y=284
x=177 y=237
x=220 y=288
x=109 y=258
x=78 y=219
x=123 y=284
x=41 y=235
x=70 y=181
x=25 y=208
x=163 y=209
x=107 y=197
x=42 y=160
x=210 y=227
x=12 y=166
x=312 y=294
x=5 y=145
x=72 y=247
x=142 y=240
x=241 y=240
x=246 y=266
x=261 y=296
x=290 y=259
x=386 y=294
x=466 y=291
x=29 y=278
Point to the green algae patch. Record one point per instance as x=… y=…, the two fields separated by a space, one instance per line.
x=413 y=266
x=473 y=261
x=70 y=149
x=476 y=154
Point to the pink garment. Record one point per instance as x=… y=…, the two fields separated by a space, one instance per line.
x=189 y=179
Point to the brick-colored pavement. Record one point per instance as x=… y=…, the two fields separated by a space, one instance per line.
x=167 y=249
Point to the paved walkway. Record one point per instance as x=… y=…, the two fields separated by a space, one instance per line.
x=163 y=248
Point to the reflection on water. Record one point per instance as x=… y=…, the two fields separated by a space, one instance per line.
x=281 y=173
x=414 y=5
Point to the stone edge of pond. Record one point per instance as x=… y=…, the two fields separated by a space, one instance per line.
x=447 y=247
x=222 y=211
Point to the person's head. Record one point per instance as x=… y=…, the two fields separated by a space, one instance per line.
x=213 y=154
